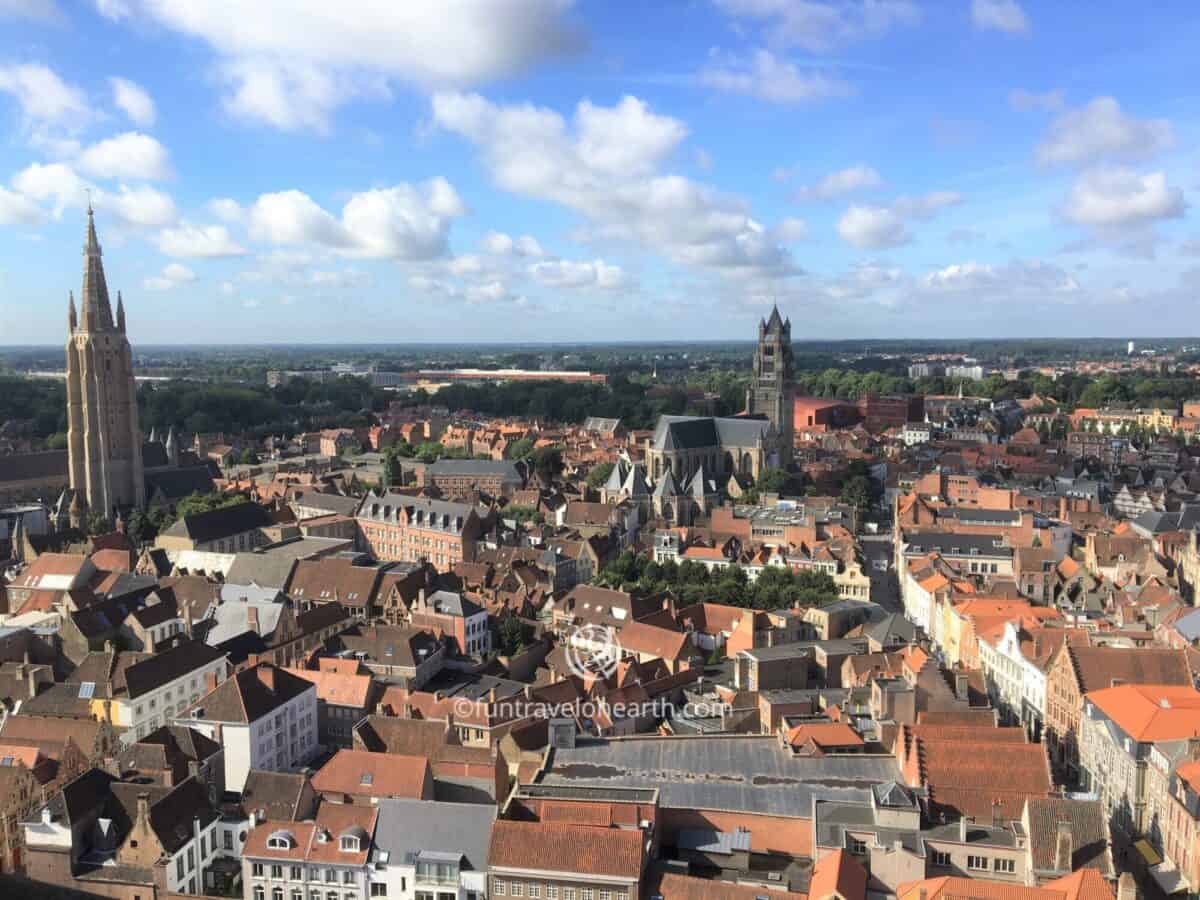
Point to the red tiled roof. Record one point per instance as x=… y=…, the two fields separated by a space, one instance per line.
x=1149 y=712
x=581 y=849
x=365 y=774
x=838 y=874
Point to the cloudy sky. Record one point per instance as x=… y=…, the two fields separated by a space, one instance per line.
x=368 y=170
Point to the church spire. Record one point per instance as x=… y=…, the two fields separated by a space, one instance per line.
x=71 y=319
x=775 y=323
x=94 y=306
x=120 y=313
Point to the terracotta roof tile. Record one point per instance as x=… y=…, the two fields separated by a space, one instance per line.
x=581 y=849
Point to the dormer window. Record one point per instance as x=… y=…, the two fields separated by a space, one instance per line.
x=349 y=844
x=281 y=840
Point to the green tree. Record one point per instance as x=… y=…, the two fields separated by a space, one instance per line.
x=547 y=462
x=857 y=492
x=599 y=474
x=519 y=449
x=773 y=481
x=393 y=474
x=511 y=636
x=248 y=457
x=429 y=451
x=197 y=503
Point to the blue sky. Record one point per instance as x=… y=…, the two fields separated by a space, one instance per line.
x=300 y=171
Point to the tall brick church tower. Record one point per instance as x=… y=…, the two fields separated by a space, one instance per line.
x=770 y=391
x=104 y=441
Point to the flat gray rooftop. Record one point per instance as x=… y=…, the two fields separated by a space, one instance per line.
x=743 y=774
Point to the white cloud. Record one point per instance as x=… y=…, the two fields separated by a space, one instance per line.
x=173 y=275
x=873 y=228
x=290 y=63
x=564 y=273
x=17 y=209
x=113 y=9
x=533 y=151
x=141 y=206
x=488 y=292
x=1101 y=131
x=1018 y=280
x=406 y=221
x=43 y=96
x=767 y=77
x=132 y=99
x=821 y=25
x=1115 y=198
x=926 y=206
x=999 y=15
x=339 y=278
x=791 y=230
x=198 y=241
x=844 y=181
x=1028 y=101
x=878 y=227
x=626 y=138
x=292 y=217
x=128 y=155
x=498 y=243
x=227 y=210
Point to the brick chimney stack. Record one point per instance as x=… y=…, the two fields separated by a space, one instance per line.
x=1064 y=848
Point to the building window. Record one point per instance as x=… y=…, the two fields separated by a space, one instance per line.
x=1005 y=866
x=856 y=845
x=378 y=889
x=518 y=889
x=940 y=858
x=552 y=892
x=500 y=888
x=585 y=894
x=277 y=872
x=535 y=891
x=977 y=863
x=256 y=869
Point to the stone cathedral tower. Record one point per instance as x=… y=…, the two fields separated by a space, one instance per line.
x=770 y=391
x=104 y=440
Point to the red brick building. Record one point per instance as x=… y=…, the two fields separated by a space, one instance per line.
x=398 y=527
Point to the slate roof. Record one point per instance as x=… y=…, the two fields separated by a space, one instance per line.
x=699 y=432
x=175 y=484
x=279 y=795
x=168 y=665
x=34 y=466
x=221 y=523
x=475 y=468
x=1089 y=833
x=244 y=697
x=1099 y=667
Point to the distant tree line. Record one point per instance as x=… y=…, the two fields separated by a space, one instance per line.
x=692 y=582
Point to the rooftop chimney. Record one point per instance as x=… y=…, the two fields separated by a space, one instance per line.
x=1064 y=847
x=960 y=685
x=143 y=808
x=1126 y=887
x=266 y=674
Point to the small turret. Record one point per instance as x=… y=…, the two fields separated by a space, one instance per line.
x=120 y=313
x=172 y=447
x=72 y=320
